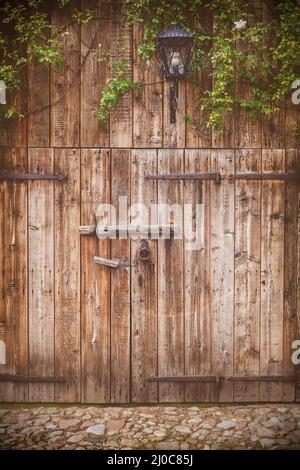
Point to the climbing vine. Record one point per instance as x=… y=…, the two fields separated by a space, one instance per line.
x=236 y=41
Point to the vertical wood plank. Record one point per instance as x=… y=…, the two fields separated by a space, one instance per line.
x=38 y=77
x=225 y=138
x=197 y=282
x=121 y=116
x=67 y=276
x=272 y=276
x=13 y=284
x=248 y=129
x=292 y=123
x=65 y=83
x=290 y=273
x=222 y=271
x=38 y=105
x=95 y=38
x=174 y=134
x=120 y=285
x=198 y=134
x=170 y=285
x=247 y=275
x=41 y=274
x=273 y=125
x=147 y=103
x=143 y=285
x=95 y=281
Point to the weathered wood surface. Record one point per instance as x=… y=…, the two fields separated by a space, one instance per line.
x=14 y=275
x=272 y=275
x=230 y=309
x=95 y=281
x=197 y=300
x=67 y=276
x=222 y=271
x=170 y=284
x=120 y=283
x=144 y=294
x=41 y=300
x=247 y=275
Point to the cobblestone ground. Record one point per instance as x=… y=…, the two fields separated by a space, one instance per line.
x=151 y=427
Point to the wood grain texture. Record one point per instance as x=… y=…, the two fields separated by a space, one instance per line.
x=65 y=82
x=143 y=283
x=272 y=125
x=197 y=301
x=290 y=329
x=67 y=276
x=222 y=271
x=120 y=284
x=13 y=284
x=198 y=134
x=247 y=275
x=95 y=39
x=248 y=129
x=95 y=281
x=121 y=47
x=41 y=274
x=272 y=275
x=147 y=102
x=170 y=284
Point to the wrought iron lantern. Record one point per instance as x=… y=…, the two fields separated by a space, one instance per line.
x=175 y=50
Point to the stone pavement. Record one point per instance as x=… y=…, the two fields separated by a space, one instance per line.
x=150 y=427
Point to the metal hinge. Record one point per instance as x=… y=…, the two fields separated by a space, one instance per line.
x=14 y=176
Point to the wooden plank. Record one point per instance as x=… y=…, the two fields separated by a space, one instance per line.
x=95 y=281
x=121 y=47
x=248 y=129
x=170 y=285
x=13 y=131
x=222 y=272
x=292 y=123
x=120 y=285
x=67 y=276
x=38 y=77
x=174 y=134
x=95 y=39
x=147 y=103
x=196 y=282
x=198 y=134
x=272 y=275
x=13 y=284
x=143 y=285
x=65 y=83
x=247 y=275
x=273 y=125
x=41 y=273
x=290 y=273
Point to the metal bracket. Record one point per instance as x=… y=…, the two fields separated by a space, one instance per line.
x=186 y=176
x=13 y=176
x=29 y=378
x=173 y=101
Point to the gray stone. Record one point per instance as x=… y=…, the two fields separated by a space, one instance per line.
x=266 y=443
x=159 y=433
x=201 y=434
x=96 y=430
x=227 y=424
